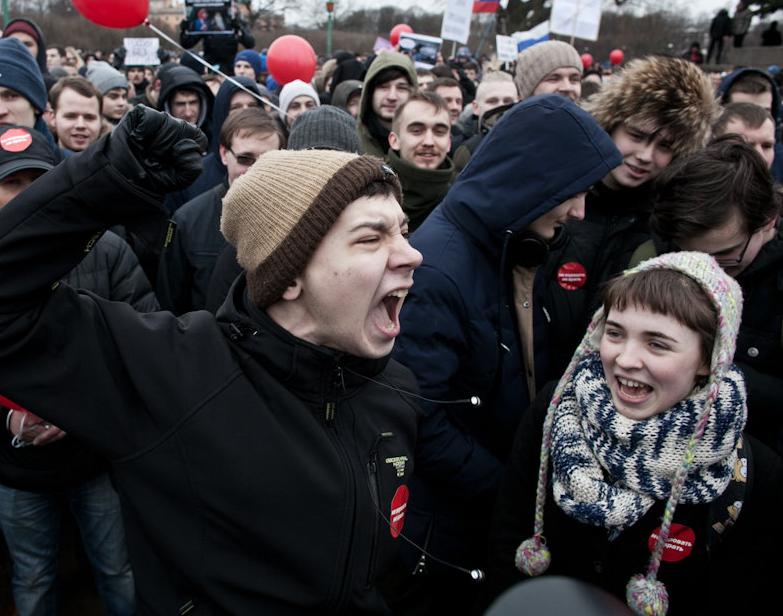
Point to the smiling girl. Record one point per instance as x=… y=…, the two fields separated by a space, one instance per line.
x=637 y=459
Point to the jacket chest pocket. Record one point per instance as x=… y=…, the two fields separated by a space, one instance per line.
x=389 y=465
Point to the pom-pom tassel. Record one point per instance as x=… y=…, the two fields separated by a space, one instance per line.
x=647 y=596
x=532 y=557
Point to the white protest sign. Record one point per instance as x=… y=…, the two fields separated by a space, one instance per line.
x=456 y=21
x=141 y=51
x=576 y=18
x=506 y=47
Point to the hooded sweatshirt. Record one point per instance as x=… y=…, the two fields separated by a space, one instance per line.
x=371 y=133
x=459 y=327
x=182 y=77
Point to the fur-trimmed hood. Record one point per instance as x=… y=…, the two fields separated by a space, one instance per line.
x=667 y=93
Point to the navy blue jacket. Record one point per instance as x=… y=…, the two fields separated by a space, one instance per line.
x=459 y=328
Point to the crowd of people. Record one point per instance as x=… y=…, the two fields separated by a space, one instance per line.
x=341 y=346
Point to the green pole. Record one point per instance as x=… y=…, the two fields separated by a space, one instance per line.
x=329 y=36
x=5 y=12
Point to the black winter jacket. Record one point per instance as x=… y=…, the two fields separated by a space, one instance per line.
x=188 y=260
x=256 y=471
x=586 y=254
x=112 y=271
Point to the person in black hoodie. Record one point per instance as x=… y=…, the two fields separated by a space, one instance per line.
x=184 y=95
x=261 y=455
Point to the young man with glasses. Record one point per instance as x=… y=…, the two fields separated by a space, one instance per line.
x=722 y=201
x=189 y=258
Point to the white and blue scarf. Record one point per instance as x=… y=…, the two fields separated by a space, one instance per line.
x=608 y=470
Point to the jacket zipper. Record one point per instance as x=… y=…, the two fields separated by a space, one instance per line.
x=375 y=494
x=337 y=383
x=338 y=600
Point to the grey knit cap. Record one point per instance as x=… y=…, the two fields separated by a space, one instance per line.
x=537 y=61
x=292 y=90
x=324 y=128
x=105 y=77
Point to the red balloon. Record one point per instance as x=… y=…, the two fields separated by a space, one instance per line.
x=587 y=60
x=394 y=35
x=115 y=14
x=616 y=57
x=290 y=57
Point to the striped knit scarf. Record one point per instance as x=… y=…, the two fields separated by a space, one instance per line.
x=608 y=470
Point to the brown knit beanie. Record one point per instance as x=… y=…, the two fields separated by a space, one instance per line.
x=277 y=213
x=537 y=61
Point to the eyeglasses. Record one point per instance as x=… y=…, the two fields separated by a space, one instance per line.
x=738 y=260
x=244 y=159
x=727 y=262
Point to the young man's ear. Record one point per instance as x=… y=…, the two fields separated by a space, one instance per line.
x=770 y=224
x=293 y=290
x=394 y=141
x=223 y=154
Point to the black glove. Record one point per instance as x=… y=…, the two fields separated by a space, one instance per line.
x=183 y=25
x=156 y=151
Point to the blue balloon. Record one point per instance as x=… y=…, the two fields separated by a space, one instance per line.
x=263 y=62
x=271 y=84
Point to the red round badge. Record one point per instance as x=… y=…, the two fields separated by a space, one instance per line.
x=16 y=140
x=398 y=506
x=571 y=276
x=679 y=545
